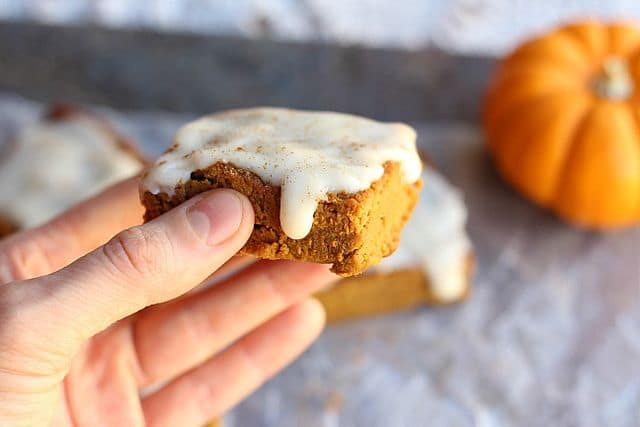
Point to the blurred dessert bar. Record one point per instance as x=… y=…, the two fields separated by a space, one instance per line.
x=69 y=155
x=432 y=265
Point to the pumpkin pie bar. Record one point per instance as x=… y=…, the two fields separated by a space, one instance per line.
x=432 y=265
x=69 y=155
x=325 y=187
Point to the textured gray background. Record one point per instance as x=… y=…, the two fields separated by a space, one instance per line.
x=551 y=335
x=145 y=70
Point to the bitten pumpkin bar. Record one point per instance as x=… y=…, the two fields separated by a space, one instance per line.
x=326 y=187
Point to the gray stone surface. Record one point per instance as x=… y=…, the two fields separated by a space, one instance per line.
x=199 y=74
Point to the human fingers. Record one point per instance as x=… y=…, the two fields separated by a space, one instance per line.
x=42 y=250
x=217 y=385
x=140 y=266
x=174 y=337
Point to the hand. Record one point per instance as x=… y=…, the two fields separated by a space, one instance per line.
x=84 y=330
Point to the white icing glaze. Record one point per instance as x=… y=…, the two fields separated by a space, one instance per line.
x=435 y=239
x=54 y=164
x=308 y=154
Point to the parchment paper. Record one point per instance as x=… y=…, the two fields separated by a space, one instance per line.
x=550 y=336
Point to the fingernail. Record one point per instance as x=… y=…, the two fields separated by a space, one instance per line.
x=216 y=217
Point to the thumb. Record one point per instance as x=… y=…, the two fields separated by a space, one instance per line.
x=141 y=266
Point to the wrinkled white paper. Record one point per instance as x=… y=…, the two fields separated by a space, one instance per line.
x=550 y=336
x=472 y=26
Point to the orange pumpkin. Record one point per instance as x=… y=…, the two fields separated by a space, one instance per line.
x=562 y=121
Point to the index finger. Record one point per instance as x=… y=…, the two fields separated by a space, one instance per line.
x=141 y=266
x=86 y=226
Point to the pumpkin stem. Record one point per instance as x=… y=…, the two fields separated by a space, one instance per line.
x=614 y=81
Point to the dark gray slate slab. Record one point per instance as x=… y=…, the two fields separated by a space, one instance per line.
x=179 y=72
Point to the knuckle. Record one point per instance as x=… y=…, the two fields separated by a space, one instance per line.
x=11 y=318
x=22 y=260
x=24 y=344
x=251 y=365
x=207 y=394
x=197 y=327
x=139 y=252
x=274 y=285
